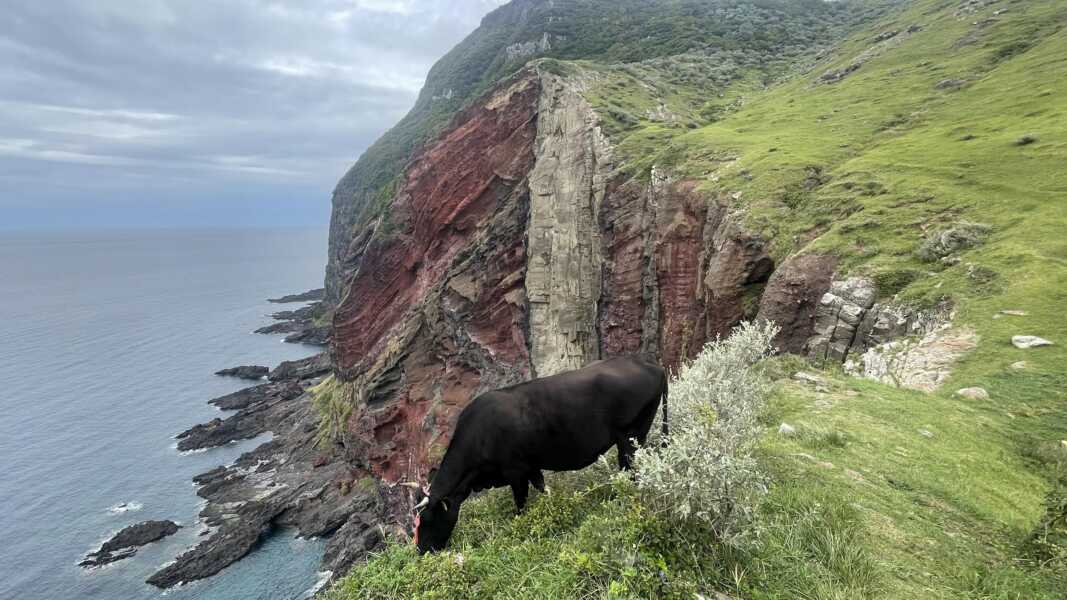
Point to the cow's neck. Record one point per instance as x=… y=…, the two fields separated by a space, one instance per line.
x=450 y=483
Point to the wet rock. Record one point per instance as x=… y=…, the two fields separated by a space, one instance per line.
x=275 y=485
x=973 y=393
x=125 y=543
x=245 y=372
x=281 y=327
x=305 y=368
x=314 y=335
x=258 y=409
x=308 y=296
x=1029 y=341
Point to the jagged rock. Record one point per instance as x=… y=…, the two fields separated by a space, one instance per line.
x=1029 y=341
x=973 y=393
x=792 y=297
x=245 y=372
x=308 y=296
x=915 y=363
x=312 y=335
x=786 y=430
x=274 y=485
x=305 y=368
x=840 y=312
x=125 y=543
x=258 y=409
x=281 y=327
x=351 y=543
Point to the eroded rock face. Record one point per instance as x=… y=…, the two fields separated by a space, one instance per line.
x=563 y=266
x=512 y=250
x=792 y=298
x=838 y=317
x=436 y=310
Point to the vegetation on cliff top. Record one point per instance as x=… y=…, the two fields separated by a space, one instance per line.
x=941 y=113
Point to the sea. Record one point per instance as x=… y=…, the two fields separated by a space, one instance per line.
x=108 y=345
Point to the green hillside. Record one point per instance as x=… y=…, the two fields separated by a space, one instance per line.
x=939 y=113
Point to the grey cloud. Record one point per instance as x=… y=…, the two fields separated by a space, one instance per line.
x=166 y=96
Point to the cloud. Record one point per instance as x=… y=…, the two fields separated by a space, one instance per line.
x=218 y=98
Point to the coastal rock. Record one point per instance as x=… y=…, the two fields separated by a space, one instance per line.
x=308 y=296
x=305 y=325
x=258 y=408
x=314 y=335
x=281 y=327
x=245 y=372
x=276 y=485
x=125 y=543
x=305 y=368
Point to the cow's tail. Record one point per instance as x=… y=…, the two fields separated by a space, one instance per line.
x=663 y=403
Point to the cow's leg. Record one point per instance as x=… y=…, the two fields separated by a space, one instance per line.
x=626 y=451
x=537 y=480
x=520 y=489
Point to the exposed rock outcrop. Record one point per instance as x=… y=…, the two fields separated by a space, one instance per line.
x=308 y=296
x=918 y=363
x=511 y=250
x=289 y=481
x=305 y=325
x=563 y=269
x=125 y=543
x=792 y=298
x=245 y=372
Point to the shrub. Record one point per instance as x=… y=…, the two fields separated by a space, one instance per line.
x=707 y=471
x=329 y=400
x=960 y=236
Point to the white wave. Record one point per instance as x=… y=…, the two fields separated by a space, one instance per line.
x=125 y=507
x=324 y=578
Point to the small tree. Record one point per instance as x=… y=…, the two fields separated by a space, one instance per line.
x=706 y=471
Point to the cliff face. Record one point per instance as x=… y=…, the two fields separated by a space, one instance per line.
x=513 y=249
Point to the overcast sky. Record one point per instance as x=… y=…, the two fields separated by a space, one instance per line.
x=118 y=113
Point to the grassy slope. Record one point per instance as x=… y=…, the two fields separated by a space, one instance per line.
x=863 y=504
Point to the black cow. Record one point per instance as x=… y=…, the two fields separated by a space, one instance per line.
x=560 y=423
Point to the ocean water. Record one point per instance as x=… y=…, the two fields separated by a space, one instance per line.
x=108 y=345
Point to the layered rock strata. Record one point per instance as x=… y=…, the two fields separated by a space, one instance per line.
x=513 y=249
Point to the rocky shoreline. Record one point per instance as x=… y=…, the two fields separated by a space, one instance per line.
x=125 y=543
x=305 y=325
x=289 y=482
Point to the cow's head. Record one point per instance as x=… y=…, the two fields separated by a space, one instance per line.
x=434 y=521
